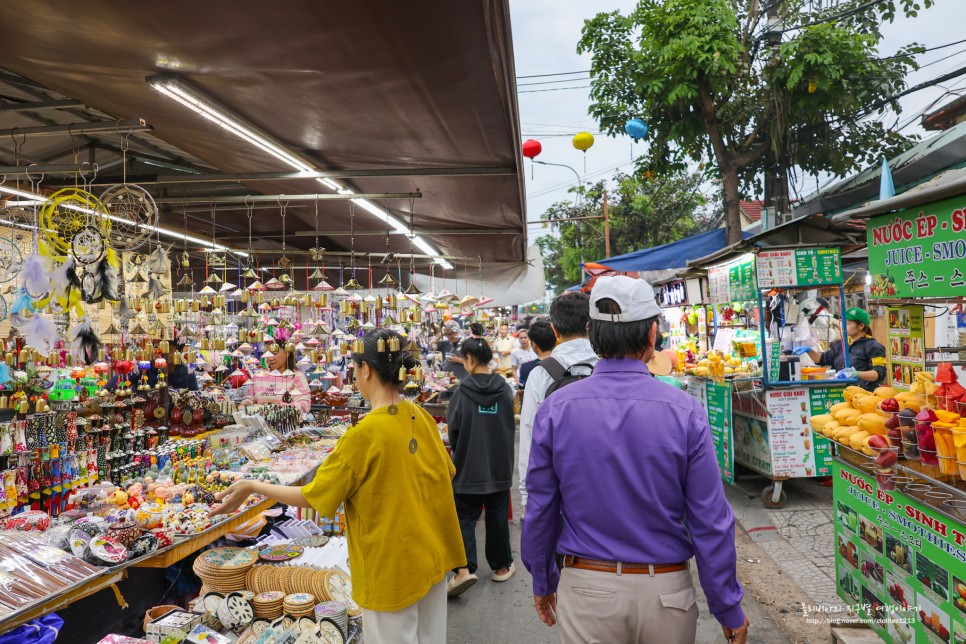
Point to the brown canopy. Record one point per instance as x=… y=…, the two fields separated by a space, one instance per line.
x=423 y=86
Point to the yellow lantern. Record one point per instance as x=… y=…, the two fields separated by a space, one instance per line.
x=583 y=142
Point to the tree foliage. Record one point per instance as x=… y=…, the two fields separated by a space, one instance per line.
x=715 y=80
x=643 y=213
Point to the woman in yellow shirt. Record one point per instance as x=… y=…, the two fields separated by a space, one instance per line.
x=393 y=474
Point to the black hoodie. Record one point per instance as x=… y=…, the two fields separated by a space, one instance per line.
x=481 y=433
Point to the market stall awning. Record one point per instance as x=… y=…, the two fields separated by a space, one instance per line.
x=502 y=285
x=673 y=255
x=398 y=97
x=813 y=230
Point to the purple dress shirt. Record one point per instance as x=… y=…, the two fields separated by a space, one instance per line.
x=623 y=468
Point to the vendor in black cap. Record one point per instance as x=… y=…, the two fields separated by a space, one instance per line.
x=867 y=358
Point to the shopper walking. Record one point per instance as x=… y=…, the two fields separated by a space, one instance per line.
x=503 y=345
x=481 y=433
x=624 y=488
x=542 y=340
x=569 y=317
x=523 y=354
x=393 y=474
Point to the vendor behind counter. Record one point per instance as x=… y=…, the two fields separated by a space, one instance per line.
x=867 y=357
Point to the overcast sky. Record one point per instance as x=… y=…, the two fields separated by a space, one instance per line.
x=545 y=35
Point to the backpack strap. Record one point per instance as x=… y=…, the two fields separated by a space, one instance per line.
x=553 y=367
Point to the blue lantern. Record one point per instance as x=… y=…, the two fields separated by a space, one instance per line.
x=636 y=129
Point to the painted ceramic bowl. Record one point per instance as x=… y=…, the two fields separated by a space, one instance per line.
x=124 y=532
x=29 y=521
x=144 y=544
x=165 y=536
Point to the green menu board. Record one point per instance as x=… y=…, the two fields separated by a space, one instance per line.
x=821 y=400
x=907 y=344
x=920 y=252
x=799 y=267
x=718 y=400
x=733 y=281
x=898 y=561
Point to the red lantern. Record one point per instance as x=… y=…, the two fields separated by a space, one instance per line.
x=532 y=148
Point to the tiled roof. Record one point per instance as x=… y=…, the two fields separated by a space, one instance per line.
x=752 y=209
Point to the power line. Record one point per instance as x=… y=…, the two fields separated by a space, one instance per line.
x=552 y=82
x=556 y=89
x=584 y=71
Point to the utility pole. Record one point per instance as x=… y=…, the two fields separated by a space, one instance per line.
x=606 y=228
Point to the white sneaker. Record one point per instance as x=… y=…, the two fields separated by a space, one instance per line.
x=456 y=588
x=500 y=578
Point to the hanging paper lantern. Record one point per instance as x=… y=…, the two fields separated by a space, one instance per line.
x=583 y=141
x=636 y=129
x=532 y=148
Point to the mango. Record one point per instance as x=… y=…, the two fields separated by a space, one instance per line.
x=818 y=422
x=886 y=392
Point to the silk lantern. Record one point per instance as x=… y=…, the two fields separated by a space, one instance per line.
x=583 y=141
x=531 y=148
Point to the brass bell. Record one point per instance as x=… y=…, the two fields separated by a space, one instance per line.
x=323 y=300
x=164 y=347
x=402 y=373
x=192 y=356
x=245 y=296
x=358 y=346
x=205 y=344
x=344 y=348
x=10 y=359
x=129 y=355
x=379 y=304
x=166 y=306
x=276 y=303
x=196 y=306
x=36 y=357
x=285 y=278
x=307 y=300
x=391 y=301
x=4 y=402
x=381 y=345
x=24 y=356
x=330 y=355
x=205 y=302
x=176 y=358
x=259 y=336
x=68 y=360
x=260 y=297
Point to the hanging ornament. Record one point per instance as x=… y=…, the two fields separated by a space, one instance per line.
x=583 y=142
x=531 y=150
x=637 y=130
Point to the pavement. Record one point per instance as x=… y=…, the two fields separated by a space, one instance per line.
x=491 y=612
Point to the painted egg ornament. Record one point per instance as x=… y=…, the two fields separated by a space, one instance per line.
x=213 y=602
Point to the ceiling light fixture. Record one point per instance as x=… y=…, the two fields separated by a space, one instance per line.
x=39 y=199
x=177 y=89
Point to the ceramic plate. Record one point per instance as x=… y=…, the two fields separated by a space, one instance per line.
x=311 y=542
x=239 y=608
x=108 y=550
x=212 y=602
x=259 y=626
x=282 y=552
x=330 y=633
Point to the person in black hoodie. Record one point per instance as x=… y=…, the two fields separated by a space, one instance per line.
x=481 y=433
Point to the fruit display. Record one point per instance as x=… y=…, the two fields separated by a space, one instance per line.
x=718 y=365
x=899 y=594
x=959 y=594
x=873 y=570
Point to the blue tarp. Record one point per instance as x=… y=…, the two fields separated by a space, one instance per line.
x=673 y=255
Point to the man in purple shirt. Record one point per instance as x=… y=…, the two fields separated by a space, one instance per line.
x=624 y=489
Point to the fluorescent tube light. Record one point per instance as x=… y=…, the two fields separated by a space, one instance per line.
x=182 y=92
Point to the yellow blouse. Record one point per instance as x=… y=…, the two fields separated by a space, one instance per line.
x=402 y=528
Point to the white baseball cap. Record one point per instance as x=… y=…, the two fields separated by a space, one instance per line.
x=634 y=296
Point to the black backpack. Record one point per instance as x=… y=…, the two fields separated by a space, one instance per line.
x=563 y=377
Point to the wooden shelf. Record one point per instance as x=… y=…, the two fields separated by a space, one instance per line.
x=193 y=544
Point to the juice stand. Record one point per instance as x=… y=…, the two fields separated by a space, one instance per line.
x=761 y=418
x=900 y=494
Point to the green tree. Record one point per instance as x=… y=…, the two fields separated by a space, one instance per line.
x=643 y=213
x=715 y=79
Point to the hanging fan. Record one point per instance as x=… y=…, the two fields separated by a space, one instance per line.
x=11 y=260
x=66 y=214
x=135 y=215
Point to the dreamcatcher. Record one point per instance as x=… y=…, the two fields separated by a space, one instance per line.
x=134 y=215
x=76 y=229
x=11 y=260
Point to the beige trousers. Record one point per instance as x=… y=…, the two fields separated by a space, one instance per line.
x=421 y=623
x=604 y=607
